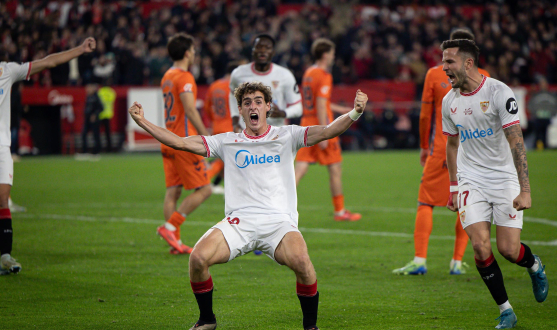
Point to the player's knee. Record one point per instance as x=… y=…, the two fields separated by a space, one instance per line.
x=198 y=262
x=509 y=252
x=301 y=264
x=482 y=247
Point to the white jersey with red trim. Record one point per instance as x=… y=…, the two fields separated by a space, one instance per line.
x=283 y=86
x=478 y=118
x=10 y=73
x=259 y=170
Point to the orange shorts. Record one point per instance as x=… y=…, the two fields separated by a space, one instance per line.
x=330 y=155
x=184 y=169
x=434 y=187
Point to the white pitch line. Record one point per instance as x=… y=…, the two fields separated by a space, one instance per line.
x=209 y=224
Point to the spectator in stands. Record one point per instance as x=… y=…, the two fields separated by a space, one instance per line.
x=542 y=106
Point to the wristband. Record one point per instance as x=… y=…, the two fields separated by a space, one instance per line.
x=354 y=115
x=454 y=186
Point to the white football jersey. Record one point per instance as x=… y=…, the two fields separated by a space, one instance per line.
x=478 y=118
x=280 y=79
x=10 y=73
x=259 y=170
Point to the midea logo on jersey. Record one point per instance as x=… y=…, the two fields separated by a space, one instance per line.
x=244 y=158
x=476 y=134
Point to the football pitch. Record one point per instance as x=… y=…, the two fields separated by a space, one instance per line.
x=91 y=258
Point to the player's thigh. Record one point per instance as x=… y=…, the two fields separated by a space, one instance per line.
x=434 y=186
x=330 y=155
x=6 y=175
x=473 y=206
x=293 y=252
x=192 y=170
x=239 y=233
x=171 y=176
x=212 y=248
x=508 y=242
x=504 y=214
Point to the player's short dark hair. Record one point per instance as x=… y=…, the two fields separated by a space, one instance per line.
x=321 y=46
x=178 y=44
x=466 y=48
x=267 y=36
x=462 y=34
x=252 y=87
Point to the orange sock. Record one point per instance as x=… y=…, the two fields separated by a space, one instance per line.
x=338 y=202
x=215 y=168
x=422 y=230
x=461 y=240
x=176 y=219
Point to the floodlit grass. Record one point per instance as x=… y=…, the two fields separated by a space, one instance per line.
x=91 y=259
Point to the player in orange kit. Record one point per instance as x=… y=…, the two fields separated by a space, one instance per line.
x=434 y=187
x=217 y=109
x=316 y=94
x=181 y=169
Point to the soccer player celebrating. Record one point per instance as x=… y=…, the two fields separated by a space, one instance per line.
x=286 y=96
x=181 y=169
x=260 y=194
x=10 y=73
x=478 y=114
x=435 y=178
x=316 y=89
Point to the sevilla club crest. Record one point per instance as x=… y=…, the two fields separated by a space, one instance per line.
x=484 y=106
x=275 y=84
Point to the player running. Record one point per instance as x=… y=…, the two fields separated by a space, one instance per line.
x=478 y=114
x=316 y=89
x=181 y=169
x=435 y=177
x=286 y=96
x=260 y=195
x=10 y=73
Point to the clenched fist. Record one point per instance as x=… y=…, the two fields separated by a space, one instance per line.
x=360 y=101
x=136 y=111
x=89 y=45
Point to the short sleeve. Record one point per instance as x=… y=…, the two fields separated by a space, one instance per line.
x=324 y=87
x=299 y=136
x=186 y=84
x=19 y=71
x=213 y=144
x=506 y=106
x=233 y=105
x=449 y=128
x=292 y=92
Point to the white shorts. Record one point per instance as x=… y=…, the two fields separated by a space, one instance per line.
x=479 y=204
x=255 y=232
x=6 y=166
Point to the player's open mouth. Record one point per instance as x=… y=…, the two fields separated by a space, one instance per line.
x=451 y=78
x=254 y=118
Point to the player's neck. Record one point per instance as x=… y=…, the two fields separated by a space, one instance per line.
x=262 y=67
x=182 y=64
x=322 y=64
x=258 y=131
x=473 y=81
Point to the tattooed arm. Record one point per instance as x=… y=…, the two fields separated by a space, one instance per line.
x=516 y=142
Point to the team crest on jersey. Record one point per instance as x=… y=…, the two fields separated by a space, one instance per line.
x=484 y=105
x=468 y=111
x=453 y=111
x=462 y=216
x=276 y=137
x=275 y=83
x=1 y=71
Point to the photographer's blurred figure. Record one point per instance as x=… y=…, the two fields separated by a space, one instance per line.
x=543 y=106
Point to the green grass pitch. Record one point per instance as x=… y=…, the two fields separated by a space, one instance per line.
x=91 y=259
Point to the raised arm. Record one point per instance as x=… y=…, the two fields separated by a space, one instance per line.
x=56 y=59
x=452 y=151
x=516 y=142
x=193 y=144
x=320 y=133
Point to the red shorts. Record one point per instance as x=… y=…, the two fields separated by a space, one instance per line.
x=434 y=188
x=330 y=155
x=184 y=169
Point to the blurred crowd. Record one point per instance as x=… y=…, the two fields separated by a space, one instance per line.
x=393 y=40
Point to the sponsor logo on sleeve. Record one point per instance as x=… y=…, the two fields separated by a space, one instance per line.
x=512 y=106
x=188 y=87
x=325 y=89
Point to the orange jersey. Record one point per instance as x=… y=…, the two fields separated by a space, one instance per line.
x=175 y=82
x=216 y=106
x=436 y=86
x=316 y=83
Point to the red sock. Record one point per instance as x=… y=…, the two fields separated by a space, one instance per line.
x=202 y=287
x=306 y=290
x=485 y=263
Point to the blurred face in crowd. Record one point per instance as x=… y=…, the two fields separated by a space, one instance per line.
x=263 y=51
x=454 y=66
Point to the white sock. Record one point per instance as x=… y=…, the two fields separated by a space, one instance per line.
x=169 y=226
x=419 y=261
x=534 y=268
x=341 y=212
x=504 y=306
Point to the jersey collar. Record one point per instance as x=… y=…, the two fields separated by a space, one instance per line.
x=260 y=136
x=261 y=73
x=477 y=89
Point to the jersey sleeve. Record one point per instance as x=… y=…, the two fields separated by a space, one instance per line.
x=213 y=144
x=449 y=128
x=233 y=105
x=426 y=111
x=186 y=84
x=324 y=87
x=292 y=96
x=299 y=136
x=506 y=106
x=18 y=71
